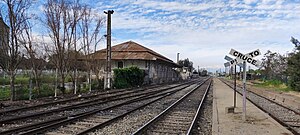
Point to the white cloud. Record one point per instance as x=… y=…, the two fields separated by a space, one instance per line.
x=205 y=31
x=250 y=1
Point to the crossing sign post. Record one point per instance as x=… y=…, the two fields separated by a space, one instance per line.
x=227 y=64
x=245 y=58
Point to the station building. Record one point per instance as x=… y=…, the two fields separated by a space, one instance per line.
x=4 y=40
x=158 y=69
x=4 y=34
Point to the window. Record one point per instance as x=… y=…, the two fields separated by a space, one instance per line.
x=120 y=64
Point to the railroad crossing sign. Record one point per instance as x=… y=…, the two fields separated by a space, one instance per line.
x=227 y=64
x=249 y=57
x=245 y=58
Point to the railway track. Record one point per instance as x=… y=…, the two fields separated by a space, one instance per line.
x=51 y=123
x=15 y=116
x=287 y=117
x=180 y=117
x=73 y=100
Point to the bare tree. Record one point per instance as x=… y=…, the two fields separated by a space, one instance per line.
x=76 y=13
x=16 y=17
x=91 y=25
x=61 y=21
x=34 y=54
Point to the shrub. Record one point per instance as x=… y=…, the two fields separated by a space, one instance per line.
x=97 y=84
x=4 y=93
x=45 y=79
x=22 y=80
x=4 y=81
x=46 y=90
x=128 y=77
x=22 y=92
x=85 y=88
x=121 y=83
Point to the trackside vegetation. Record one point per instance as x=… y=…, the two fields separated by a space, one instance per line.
x=293 y=66
x=128 y=77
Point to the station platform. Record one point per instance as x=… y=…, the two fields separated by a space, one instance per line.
x=257 y=122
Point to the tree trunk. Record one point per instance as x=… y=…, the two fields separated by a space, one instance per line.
x=12 y=86
x=63 y=82
x=75 y=81
x=37 y=81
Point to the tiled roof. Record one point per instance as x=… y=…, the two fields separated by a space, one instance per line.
x=130 y=51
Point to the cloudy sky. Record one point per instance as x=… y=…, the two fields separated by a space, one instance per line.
x=204 y=30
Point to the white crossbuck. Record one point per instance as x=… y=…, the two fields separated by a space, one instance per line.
x=249 y=57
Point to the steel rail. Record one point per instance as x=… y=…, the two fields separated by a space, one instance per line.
x=83 y=104
x=199 y=109
x=101 y=125
x=78 y=98
x=294 y=111
x=32 y=126
x=287 y=126
x=59 y=101
x=163 y=113
x=73 y=118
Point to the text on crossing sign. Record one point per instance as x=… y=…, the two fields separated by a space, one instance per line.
x=227 y=64
x=240 y=57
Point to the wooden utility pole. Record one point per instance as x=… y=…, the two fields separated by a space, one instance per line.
x=108 y=79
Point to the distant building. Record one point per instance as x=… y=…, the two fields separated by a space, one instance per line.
x=4 y=34
x=158 y=68
x=4 y=40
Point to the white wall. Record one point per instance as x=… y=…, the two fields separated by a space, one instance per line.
x=158 y=72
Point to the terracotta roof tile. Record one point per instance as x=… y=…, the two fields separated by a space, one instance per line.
x=130 y=50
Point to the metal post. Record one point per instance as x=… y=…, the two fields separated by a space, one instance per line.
x=75 y=77
x=241 y=73
x=30 y=85
x=56 y=83
x=178 y=58
x=90 y=81
x=108 y=49
x=231 y=72
x=244 y=92
x=234 y=100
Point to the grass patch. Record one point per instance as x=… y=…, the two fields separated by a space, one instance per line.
x=4 y=93
x=19 y=80
x=273 y=85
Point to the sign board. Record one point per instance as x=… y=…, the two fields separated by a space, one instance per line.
x=230 y=59
x=249 y=57
x=227 y=64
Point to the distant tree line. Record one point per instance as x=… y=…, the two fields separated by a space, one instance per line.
x=284 y=68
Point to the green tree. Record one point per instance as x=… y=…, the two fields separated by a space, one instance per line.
x=186 y=63
x=293 y=66
x=274 y=65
